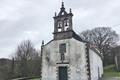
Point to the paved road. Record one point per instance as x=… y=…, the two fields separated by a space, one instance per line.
x=116 y=78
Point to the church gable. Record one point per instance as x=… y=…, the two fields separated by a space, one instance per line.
x=69 y=53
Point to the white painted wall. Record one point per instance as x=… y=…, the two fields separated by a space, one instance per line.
x=75 y=55
x=95 y=63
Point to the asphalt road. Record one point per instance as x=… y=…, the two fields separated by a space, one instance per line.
x=115 y=78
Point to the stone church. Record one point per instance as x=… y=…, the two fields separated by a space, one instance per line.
x=67 y=56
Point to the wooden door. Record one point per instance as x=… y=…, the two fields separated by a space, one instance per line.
x=63 y=75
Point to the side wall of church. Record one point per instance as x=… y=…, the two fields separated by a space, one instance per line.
x=75 y=56
x=96 y=65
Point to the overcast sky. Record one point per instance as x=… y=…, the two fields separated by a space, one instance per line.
x=33 y=19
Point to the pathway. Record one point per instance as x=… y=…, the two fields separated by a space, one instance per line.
x=113 y=78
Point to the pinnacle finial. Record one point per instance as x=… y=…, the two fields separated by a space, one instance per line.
x=62 y=7
x=42 y=42
x=70 y=10
x=62 y=4
x=55 y=14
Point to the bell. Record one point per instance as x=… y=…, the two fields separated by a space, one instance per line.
x=59 y=25
x=66 y=24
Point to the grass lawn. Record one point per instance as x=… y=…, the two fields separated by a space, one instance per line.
x=109 y=71
x=35 y=79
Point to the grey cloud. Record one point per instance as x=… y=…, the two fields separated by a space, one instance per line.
x=32 y=19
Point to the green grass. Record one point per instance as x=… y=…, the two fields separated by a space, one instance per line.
x=109 y=71
x=36 y=79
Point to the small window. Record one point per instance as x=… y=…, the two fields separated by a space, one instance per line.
x=62 y=48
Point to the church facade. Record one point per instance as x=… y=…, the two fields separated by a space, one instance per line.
x=67 y=56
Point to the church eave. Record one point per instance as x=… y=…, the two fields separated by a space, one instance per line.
x=97 y=52
x=77 y=37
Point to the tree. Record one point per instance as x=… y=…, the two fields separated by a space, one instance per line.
x=105 y=39
x=4 y=69
x=11 y=69
x=25 y=57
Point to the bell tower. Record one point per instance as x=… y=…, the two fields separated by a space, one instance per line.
x=63 y=27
